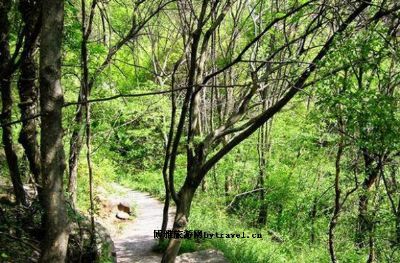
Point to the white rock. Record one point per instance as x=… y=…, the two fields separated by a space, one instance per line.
x=205 y=256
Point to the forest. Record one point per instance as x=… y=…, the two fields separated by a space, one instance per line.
x=277 y=121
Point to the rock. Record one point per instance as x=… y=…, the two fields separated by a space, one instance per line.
x=275 y=236
x=122 y=215
x=105 y=243
x=80 y=235
x=204 y=256
x=124 y=206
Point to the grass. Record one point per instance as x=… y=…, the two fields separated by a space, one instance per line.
x=208 y=214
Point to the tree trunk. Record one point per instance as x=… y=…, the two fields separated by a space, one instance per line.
x=28 y=133
x=262 y=148
x=227 y=185
x=164 y=223
x=313 y=216
x=11 y=156
x=371 y=243
x=364 y=224
x=28 y=91
x=398 y=226
x=55 y=241
x=75 y=147
x=181 y=219
x=337 y=206
x=5 y=82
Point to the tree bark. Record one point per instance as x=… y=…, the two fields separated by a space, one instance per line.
x=263 y=211
x=167 y=158
x=364 y=224
x=75 y=147
x=5 y=82
x=55 y=241
x=313 y=216
x=30 y=12
x=197 y=163
x=398 y=225
x=185 y=197
x=337 y=206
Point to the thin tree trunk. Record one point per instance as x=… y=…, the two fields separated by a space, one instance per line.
x=93 y=243
x=167 y=158
x=313 y=215
x=337 y=206
x=263 y=211
x=5 y=83
x=55 y=241
x=11 y=156
x=85 y=88
x=75 y=147
x=76 y=141
x=227 y=185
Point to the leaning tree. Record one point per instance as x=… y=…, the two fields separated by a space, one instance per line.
x=305 y=33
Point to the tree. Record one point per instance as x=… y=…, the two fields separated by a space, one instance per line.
x=88 y=80
x=55 y=241
x=28 y=94
x=198 y=146
x=7 y=68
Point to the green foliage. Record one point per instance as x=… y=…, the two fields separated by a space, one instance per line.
x=357 y=106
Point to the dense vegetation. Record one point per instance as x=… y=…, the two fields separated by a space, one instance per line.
x=272 y=117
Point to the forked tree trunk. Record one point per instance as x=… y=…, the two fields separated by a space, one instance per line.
x=5 y=85
x=55 y=240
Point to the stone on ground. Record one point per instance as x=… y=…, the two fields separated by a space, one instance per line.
x=122 y=215
x=204 y=256
x=124 y=206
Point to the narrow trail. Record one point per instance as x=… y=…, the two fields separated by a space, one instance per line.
x=134 y=243
x=134 y=238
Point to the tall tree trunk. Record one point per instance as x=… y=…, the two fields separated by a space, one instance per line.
x=167 y=158
x=85 y=88
x=30 y=11
x=55 y=241
x=337 y=206
x=76 y=140
x=5 y=82
x=263 y=211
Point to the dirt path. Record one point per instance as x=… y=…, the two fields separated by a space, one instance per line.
x=134 y=242
x=134 y=238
